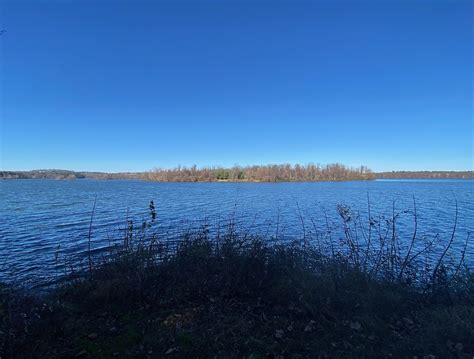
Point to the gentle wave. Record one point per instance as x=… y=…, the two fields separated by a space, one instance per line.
x=43 y=220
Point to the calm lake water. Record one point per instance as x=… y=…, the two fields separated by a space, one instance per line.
x=43 y=222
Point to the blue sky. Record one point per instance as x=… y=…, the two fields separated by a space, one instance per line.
x=129 y=86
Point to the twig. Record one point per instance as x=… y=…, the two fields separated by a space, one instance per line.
x=463 y=253
x=367 y=251
x=449 y=244
x=328 y=228
x=277 y=223
x=89 y=237
x=411 y=243
x=317 y=236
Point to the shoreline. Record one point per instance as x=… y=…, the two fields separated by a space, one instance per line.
x=248 y=181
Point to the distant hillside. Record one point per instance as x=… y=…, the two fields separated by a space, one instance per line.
x=268 y=173
x=425 y=175
x=65 y=175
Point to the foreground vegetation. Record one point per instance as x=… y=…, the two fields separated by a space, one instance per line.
x=236 y=295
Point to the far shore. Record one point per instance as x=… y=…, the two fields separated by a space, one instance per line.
x=468 y=175
x=250 y=174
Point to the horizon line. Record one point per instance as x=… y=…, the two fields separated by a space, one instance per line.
x=227 y=167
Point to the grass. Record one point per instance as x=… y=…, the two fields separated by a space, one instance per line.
x=235 y=295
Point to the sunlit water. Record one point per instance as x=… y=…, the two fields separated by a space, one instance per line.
x=45 y=222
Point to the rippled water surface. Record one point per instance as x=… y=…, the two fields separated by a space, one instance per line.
x=42 y=221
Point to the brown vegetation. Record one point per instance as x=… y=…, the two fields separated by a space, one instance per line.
x=264 y=173
x=257 y=173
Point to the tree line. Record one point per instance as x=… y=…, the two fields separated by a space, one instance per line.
x=425 y=175
x=265 y=173
x=262 y=173
x=65 y=175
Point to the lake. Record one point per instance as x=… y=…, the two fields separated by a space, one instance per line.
x=45 y=221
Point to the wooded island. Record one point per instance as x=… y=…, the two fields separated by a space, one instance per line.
x=256 y=173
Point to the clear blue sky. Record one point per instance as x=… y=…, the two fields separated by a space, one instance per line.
x=128 y=86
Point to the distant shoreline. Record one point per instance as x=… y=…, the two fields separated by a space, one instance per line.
x=73 y=175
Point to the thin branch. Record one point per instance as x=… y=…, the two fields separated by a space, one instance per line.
x=463 y=253
x=440 y=260
x=412 y=241
x=302 y=223
x=90 y=235
x=369 y=235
